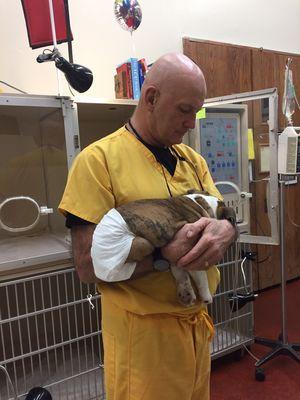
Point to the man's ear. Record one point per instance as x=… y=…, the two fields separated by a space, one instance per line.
x=151 y=97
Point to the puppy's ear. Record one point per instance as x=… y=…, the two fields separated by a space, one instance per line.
x=224 y=212
x=206 y=208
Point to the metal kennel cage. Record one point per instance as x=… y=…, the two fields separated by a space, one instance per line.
x=50 y=336
x=233 y=325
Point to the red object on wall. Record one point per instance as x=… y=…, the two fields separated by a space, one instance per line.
x=37 y=17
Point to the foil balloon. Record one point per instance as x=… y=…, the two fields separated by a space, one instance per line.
x=128 y=13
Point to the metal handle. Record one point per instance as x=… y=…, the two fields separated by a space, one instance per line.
x=43 y=210
x=242 y=195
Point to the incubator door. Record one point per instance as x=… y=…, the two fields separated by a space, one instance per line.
x=33 y=172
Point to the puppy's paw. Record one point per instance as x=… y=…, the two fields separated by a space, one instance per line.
x=204 y=294
x=207 y=298
x=186 y=295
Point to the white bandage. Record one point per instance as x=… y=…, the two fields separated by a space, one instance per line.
x=110 y=248
x=211 y=201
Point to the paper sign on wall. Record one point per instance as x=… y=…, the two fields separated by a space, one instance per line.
x=201 y=114
x=251 y=153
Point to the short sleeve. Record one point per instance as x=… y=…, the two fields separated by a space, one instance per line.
x=88 y=192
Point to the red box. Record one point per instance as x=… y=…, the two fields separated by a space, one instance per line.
x=38 y=23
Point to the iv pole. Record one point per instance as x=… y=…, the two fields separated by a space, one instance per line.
x=280 y=346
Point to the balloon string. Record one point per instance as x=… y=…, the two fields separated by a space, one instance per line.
x=133 y=45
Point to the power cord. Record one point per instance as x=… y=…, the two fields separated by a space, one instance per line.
x=9 y=381
x=251 y=256
x=288 y=210
x=13 y=87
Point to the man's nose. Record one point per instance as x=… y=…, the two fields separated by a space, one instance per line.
x=190 y=122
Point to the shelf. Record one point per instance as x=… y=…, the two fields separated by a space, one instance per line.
x=32 y=250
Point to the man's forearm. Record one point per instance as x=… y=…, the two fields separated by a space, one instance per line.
x=87 y=275
x=142 y=268
x=81 y=243
x=82 y=240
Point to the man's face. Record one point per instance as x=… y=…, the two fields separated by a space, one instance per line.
x=175 y=111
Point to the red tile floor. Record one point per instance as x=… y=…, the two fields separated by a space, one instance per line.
x=235 y=380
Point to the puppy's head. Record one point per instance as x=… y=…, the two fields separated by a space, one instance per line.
x=211 y=206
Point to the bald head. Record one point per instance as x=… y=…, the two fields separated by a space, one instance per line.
x=172 y=68
x=172 y=93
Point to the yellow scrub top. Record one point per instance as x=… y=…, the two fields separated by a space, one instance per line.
x=115 y=170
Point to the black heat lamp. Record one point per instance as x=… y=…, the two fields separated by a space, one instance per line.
x=79 y=77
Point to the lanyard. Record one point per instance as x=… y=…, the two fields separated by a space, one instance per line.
x=173 y=151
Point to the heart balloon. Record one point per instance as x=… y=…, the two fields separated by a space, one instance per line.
x=128 y=13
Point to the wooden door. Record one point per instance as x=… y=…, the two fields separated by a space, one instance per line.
x=234 y=69
x=227 y=68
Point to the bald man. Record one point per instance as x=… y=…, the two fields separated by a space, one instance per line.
x=153 y=347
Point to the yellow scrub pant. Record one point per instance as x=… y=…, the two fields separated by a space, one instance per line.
x=157 y=356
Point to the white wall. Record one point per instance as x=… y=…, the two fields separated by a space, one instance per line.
x=100 y=43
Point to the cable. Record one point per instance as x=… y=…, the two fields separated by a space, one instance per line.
x=296 y=99
x=264 y=259
x=288 y=210
x=226 y=325
x=243 y=274
x=71 y=90
x=250 y=353
x=9 y=381
x=267 y=178
x=13 y=87
x=235 y=285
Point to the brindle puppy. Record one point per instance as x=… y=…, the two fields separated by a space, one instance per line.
x=154 y=223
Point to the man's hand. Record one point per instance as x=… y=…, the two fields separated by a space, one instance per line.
x=201 y=244
x=181 y=244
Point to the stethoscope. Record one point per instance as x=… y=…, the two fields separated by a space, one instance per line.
x=174 y=152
